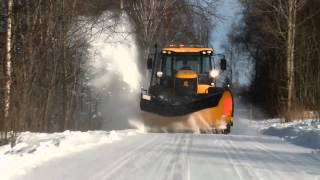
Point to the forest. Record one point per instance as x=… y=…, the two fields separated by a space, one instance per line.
x=282 y=38
x=43 y=49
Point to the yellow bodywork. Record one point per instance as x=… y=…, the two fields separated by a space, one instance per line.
x=214 y=116
x=203 y=88
x=186 y=74
x=187 y=49
x=189 y=74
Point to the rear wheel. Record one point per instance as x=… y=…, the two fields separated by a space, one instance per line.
x=228 y=130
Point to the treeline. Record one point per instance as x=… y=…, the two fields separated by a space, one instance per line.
x=172 y=21
x=283 y=39
x=43 y=52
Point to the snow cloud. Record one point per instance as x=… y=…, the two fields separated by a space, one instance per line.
x=114 y=72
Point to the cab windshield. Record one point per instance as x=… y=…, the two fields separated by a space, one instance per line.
x=173 y=63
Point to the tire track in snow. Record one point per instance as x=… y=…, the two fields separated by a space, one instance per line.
x=254 y=171
x=177 y=161
x=249 y=169
x=289 y=164
x=151 y=157
x=174 y=164
x=190 y=144
x=145 y=159
x=152 y=160
x=170 y=158
x=231 y=160
x=122 y=161
x=185 y=156
x=164 y=157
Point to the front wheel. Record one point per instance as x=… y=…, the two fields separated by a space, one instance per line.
x=228 y=130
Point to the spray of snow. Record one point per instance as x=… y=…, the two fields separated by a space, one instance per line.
x=113 y=69
x=115 y=58
x=138 y=124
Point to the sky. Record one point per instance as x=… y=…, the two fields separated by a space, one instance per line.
x=229 y=10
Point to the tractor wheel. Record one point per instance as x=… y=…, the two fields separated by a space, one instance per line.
x=228 y=130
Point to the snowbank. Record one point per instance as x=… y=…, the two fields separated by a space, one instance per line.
x=32 y=149
x=304 y=133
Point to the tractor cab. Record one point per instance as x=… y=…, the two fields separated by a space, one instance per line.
x=188 y=70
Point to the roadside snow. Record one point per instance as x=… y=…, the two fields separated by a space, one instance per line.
x=33 y=149
x=304 y=133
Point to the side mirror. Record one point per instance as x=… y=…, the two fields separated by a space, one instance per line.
x=223 y=64
x=149 y=63
x=159 y=74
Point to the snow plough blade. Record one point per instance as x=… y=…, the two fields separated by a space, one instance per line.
x=212 y=113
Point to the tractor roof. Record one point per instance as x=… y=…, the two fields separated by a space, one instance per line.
x=186 y=48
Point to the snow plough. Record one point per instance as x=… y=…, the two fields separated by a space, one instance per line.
x=183 y=94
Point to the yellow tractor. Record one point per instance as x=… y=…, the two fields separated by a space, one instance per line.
x=183 y=94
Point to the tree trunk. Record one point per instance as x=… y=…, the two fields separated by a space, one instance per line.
x=290 y=53
x=8 y=66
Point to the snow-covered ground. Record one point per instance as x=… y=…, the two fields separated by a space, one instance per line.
x=264 y=149
x=34 y=149
x=304 y=132
x=246 y=153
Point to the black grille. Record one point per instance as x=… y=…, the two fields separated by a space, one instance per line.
x=186 y=86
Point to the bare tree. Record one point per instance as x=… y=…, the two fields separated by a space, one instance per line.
x=270 y=34
x=165 y=21
x=8 y=66
x=45 y=50
x=293 y=7
x=148 y=16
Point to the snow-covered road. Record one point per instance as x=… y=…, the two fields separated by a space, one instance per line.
x=133 y=155
x=186 y=156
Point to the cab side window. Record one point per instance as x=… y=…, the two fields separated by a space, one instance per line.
x=168 y=68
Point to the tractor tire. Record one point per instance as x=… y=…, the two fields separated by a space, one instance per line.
x=228 y=130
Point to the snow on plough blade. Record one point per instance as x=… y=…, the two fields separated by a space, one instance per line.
x=182 y=96
x=211 y=114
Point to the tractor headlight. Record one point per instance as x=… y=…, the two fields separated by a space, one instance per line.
x=214 y=73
